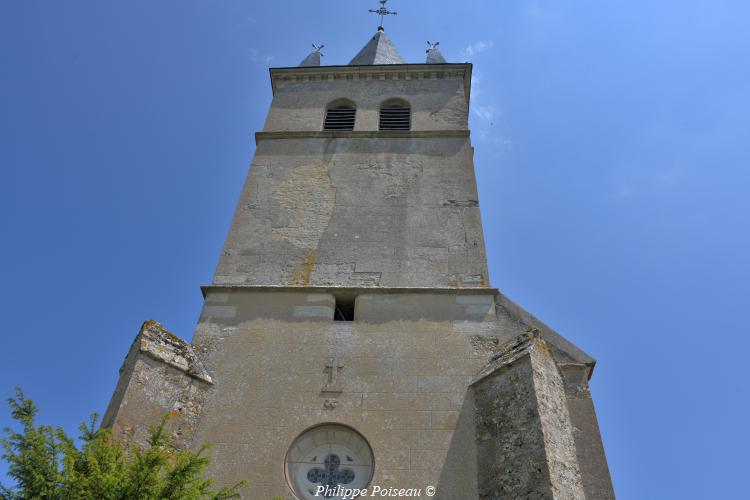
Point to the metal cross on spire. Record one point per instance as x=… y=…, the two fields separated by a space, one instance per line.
x=382 y=12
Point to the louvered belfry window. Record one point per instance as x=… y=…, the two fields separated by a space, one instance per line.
x=340 y=118
x=395 y=116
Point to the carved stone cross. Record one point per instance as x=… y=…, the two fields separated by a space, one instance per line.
x=333 y=383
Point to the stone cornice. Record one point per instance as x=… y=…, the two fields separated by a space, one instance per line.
x=511 y=352
x=361 y=134
x=349 y=290
x=373 y=73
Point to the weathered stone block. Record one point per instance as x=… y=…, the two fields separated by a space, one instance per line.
x=160 y=376
x=525 y=442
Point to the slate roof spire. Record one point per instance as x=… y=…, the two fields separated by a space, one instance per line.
x=433 y=54
x=313 y=59
x=379 y=50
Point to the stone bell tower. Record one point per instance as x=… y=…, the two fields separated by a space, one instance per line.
x=350 y=337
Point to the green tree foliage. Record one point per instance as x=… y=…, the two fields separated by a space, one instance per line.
x=46 y=464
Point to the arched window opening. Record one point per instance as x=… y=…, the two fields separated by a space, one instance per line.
x=340 y=115
x=395 y=115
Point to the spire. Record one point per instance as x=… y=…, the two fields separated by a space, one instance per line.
x=379 y=50
x=314 y=58
x=433 y=54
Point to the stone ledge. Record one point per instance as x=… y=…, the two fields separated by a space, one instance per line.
x=361 y=134
x=158 y=343
x=510 y=352
x=351 y=290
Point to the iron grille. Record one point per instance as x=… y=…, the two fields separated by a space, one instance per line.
x=340 y=119
x=395 y=118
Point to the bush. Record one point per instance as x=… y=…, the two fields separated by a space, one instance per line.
x=45 y=463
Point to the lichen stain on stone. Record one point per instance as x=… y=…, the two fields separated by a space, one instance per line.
x=301 y=275
x=156 y=342
x=308 y=197
x=151 y=324
x=484 y=344
x=308 y=268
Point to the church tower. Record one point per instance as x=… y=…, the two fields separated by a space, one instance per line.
x=350 y=337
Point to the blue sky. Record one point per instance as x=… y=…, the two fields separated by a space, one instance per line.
x=612 y=158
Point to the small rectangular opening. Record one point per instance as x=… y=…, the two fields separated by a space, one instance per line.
x=344 y=309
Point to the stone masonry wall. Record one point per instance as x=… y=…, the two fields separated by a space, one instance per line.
x=254 y=377
x=437 y=104
x=525 y=438
x=363 y=208
x=160 y=376
x=592 y=460
x=404 y=378
x=365 y=212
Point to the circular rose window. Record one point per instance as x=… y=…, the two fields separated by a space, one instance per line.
x=326 y=460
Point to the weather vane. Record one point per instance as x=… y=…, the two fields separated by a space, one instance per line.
x=382 y=12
